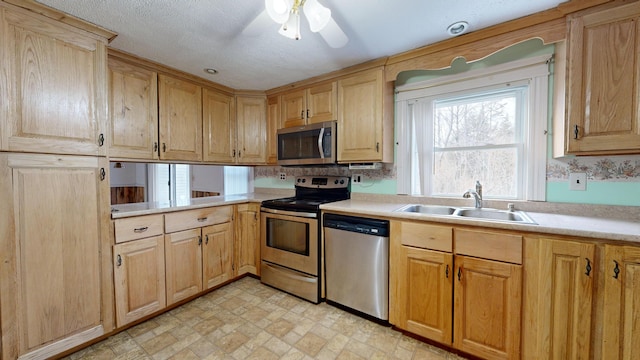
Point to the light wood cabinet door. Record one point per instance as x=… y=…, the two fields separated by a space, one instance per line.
x=603 y=88
x=218 y=116
x=311 y=105
x=487 y=305
x=139 y=279
x=294 y=109
x=273 y=124
x=133 y=130
x=56 y=277
x=180 y=112
x=217 y=254
x=322 y=103
x=247 y=249
x=560 y=297
x=360 y=117
x=53 y=88
x=183 y=264
x=425 y=293
x=251 y=123
x=621 y=322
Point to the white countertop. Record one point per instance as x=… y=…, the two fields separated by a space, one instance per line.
x=601 y=225
x=551 y=223
x=148 y=208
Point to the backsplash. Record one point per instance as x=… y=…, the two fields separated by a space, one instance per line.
x=611 y=180
x=597 y=168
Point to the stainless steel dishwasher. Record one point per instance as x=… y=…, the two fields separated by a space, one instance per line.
x=357 y=263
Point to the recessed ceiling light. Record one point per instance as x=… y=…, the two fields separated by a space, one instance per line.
x=211 y=71
x=457 y=28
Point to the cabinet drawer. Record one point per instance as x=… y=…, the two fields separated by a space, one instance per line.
x=192 y=219
x=138 y=227
x=488 y=245
x=426 y=236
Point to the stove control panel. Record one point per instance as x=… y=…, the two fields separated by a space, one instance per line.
x=322 y=182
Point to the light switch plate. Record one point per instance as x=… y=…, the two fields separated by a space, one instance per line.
x=578 y=181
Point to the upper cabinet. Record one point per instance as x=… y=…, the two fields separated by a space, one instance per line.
x=133 y=130
x=365 y=118
x=311 y=105
x=251 y=139
x=180 y=113
x=218 y=119
x=273 y=124
x=54 y=86
x=603 y=82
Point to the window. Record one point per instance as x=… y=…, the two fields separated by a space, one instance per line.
x=170 y=183
x=487 y=125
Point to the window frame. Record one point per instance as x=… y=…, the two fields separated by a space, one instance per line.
x=533 y=70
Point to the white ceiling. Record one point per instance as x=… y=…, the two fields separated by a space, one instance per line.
x=191 y=35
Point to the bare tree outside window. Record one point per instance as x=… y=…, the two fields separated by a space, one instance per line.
x=477 y=138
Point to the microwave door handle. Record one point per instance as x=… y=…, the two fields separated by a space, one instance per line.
x=320 y=148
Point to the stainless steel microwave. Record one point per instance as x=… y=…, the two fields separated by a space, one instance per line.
x=313 y=144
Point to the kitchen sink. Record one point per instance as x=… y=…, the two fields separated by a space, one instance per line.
x=495 y=214
x=428 y=209
x=471 y=213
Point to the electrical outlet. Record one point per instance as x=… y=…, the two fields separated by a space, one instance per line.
x=578 y=181
x=357 y=178
x=283 y=176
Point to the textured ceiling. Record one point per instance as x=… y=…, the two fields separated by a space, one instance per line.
x=191 y=35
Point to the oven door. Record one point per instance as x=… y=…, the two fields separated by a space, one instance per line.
x=290 y=239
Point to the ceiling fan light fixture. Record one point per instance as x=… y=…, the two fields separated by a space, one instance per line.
x=291 y=28
x=317 y=15
x=279 y=10
x=457 y=28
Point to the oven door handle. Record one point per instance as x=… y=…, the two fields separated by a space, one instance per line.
x=289 y=213
x=288 y=274
x=320 y=147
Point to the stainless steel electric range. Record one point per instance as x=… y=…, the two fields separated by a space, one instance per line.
x=290 y=235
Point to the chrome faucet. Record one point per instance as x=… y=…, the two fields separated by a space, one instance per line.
x=477 y=194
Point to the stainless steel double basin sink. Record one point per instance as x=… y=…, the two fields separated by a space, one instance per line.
x=487 y=214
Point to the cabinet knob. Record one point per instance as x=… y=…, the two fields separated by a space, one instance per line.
x=576 y=131
x=616 y=270
x=155 y=147
x=118 y=260
x=206 y=239
x=103 y=174
x=446 y=271
x=101 y=140
x=164 y=147
x=460 y=273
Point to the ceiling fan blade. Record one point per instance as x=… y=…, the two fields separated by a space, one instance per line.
x=333 y=35
x=258 y=25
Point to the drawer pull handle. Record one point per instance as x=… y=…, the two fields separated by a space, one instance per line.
x=460 y=273
x=446 y=272
x=206 y=239
x=141 y=230
x=588 y=267
x=118 y=260
x=616 y=270
x=202 y=219
x=576 y=131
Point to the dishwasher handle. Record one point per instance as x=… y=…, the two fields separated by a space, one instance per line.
x=357 y=224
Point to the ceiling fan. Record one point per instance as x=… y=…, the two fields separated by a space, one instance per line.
x=287 y=14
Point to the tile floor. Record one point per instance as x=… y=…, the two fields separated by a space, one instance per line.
x=248 y=320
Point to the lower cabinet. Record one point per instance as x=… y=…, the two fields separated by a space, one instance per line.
x=459 y=287
x=426 y=293
x=183 y=258
x=247 y=244
x=197 y=258
x=621 y=315
x=558 y=307
x=56 y=285
x=217 y=254
x=139 y=278
x=487 y=305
